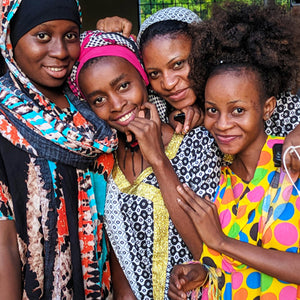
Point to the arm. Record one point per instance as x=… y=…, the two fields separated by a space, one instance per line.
x=121 y=288
x=205 y=217
x=148 y=134
x=10 y=269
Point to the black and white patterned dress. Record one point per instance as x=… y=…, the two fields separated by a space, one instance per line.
x=142 y=235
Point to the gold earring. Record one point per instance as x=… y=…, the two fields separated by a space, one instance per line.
x=228 y=158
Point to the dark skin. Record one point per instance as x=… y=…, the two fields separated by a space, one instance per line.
x=233 y=108
x=10 y=271
x=117 y=94
x=194 y=116
x=47 y=63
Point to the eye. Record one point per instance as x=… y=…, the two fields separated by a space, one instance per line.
x=43 y=36
x=178 y=64
x=124 y=86
x=153 y=75
x=211 y=110
x=98 y=101
x=238 y=110
x=71 y=36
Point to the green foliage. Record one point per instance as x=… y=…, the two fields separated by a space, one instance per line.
x=200 y=7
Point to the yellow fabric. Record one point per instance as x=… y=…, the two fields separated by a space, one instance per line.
x=160 y=215
x=264 y=213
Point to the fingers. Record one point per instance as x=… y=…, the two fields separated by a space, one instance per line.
x=176 y=285
x=153 y=112
x=115 y=24
x=193 y=117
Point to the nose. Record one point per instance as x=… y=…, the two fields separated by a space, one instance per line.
x=117 y=103
x=223 y=122
x=168 y=81
x=59 y=49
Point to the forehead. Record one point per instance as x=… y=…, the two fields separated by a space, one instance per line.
x=233 y=85
x=177 y=40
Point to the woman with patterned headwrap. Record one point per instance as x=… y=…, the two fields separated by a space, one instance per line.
x=141 y=211
x=52 y=243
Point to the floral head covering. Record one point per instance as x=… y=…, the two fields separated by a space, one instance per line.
x=171 y=13
x=98 y=43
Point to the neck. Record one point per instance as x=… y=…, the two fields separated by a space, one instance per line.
x=131 y=161
x=245 y=162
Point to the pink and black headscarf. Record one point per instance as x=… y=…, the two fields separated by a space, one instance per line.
x=97 y=44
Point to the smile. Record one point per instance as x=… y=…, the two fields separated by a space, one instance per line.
x=55 y=69
x=57 y=72
x=179 y=95
x=126 y=117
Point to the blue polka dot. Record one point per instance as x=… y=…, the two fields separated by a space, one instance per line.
x=222 y=191
x=228 y=292
x=288 y=212
x=243 y=237
x=266 y=203
x=271 y=175
x=292 y=250
x=297 y=183
x=251 y=217
x=253 y=280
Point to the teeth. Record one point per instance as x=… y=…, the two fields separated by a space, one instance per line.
x=55 y=69
x=125 y=118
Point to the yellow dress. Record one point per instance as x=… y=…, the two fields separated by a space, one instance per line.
x=264 y=212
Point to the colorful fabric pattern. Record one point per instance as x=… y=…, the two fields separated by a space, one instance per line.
x=142 y=235
x=51 y=186
x=264 y=212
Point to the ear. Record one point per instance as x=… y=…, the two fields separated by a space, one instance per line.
x=269 y=107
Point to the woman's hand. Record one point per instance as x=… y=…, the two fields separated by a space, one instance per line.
x=193 y=117
x=292 y=157
x=185 y=278
x=115 y=24
x=204 y=215
x=148 y=133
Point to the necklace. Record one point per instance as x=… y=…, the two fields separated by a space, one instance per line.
x=133 y=146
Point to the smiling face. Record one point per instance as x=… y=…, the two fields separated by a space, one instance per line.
x=114 y=89
x=166 y=63
x=234 y=111
x=47 y=53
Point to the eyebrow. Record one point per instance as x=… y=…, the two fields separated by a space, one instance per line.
x=230 y=102
x=113 y=83
x=118 y=79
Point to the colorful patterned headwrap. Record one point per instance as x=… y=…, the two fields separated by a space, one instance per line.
x=96 y=44
x=171 y=13
x=37 y=119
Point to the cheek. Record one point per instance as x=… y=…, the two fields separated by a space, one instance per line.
x=102 y=113
x=207 y=122
x=74 y=51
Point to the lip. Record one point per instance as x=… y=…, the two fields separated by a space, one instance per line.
x=126 y=118
x=178 y=95
x=226 y=139
x=58 y=72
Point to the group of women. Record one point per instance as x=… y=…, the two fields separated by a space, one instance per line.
x=159 y=196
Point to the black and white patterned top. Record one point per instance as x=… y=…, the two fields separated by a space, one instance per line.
x=142 y=235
